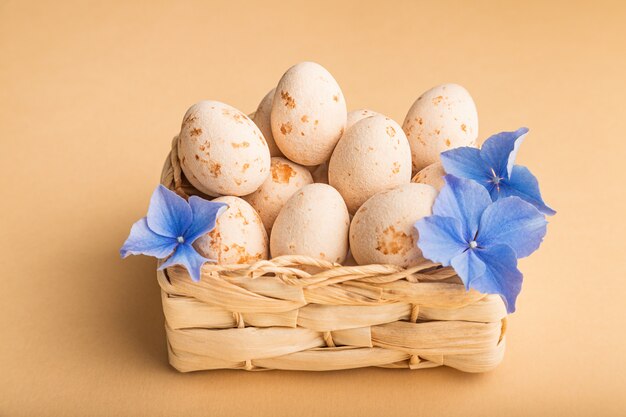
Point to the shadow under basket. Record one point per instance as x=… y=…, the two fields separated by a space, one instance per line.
x=300 y=313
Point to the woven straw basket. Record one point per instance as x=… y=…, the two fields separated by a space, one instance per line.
x=276 y=315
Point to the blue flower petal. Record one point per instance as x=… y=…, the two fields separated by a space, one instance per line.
x=501 y=274
x=440 y=238
x=205 y=213
x=524 y=185
x=186 y=256
x=512 y=221
x=143 y=241
x=465 y=162
x=464 y=200
x=499 y=151
x=168 y=214
x=468 y=266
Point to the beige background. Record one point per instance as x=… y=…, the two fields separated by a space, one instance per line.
x=90 y=95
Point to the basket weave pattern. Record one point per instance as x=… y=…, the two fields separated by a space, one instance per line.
x=299 y=313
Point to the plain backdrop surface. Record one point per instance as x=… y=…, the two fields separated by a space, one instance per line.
x=91 y=94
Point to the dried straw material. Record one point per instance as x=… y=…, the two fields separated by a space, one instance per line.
x=300 y=313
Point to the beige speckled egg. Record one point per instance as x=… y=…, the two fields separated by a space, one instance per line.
x=373 y=155
x=239 y=236
x=314 y=222
x=222 y=151
x=261 y=117
x=382 y=230
x=442 y=118
x=308 y=114
x=356 y=115
x=431 y=175
x=285 y=179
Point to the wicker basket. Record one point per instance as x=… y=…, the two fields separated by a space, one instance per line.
x=276 y=315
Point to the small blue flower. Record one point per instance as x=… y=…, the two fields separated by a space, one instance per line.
x=493 y=167
x=481 y=239
x=171 y=227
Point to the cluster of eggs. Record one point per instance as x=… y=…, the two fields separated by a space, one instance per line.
x=303 y=176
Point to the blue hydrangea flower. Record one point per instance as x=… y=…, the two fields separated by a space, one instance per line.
x=493 y=167
x=171 y=227
x=481 y=239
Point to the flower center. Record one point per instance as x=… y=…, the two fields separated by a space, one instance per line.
x=180 y=239
x=495 y=178
x=473 y=244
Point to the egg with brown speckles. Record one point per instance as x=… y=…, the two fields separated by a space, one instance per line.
x=222 y=151
x=238 y=237
x=314 y=222
x=382 y=230
x=442 y=118
x=285 y=179
x=357 y=115
x=431 y=175
x=308 y=114
x=373 y=155
x=262 y=118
